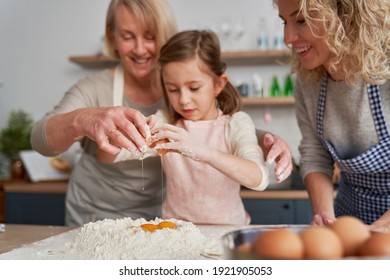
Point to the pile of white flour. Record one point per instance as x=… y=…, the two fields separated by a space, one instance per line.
x=123 y=239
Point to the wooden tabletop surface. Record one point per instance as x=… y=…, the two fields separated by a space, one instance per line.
x=16 y=236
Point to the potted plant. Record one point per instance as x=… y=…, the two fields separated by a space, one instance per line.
x=14 y=138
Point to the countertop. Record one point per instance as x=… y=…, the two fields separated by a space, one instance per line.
x=46 y=242
x=59 y=187
x=16 y=236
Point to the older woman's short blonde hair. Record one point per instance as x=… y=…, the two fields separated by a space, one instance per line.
x=156 y=15
x=357 y=33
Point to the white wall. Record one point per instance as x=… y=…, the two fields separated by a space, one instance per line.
x=38 y=36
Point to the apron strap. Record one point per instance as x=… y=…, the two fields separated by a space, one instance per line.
x=321 y=107
x=118 y=86
x=377 y=112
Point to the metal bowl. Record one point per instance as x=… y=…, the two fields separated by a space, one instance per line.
x=231 y=241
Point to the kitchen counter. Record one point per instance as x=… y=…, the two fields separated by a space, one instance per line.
x=43 y=203
x=59 y=187
x=24 y=242
x=16 y=236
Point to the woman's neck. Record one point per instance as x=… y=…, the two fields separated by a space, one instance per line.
x=145 y=91
x=337 y=76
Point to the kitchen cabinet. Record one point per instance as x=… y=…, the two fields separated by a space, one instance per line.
x=2 y=195
x=255 y=57
x=44 y=204
x=2 y=203
x=278 y=207
x=35 y=203
x=279 y=211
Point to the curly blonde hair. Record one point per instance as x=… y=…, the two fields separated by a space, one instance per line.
x=357 y=33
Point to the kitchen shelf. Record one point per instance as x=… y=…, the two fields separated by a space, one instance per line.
x=256 y=57
x=94 y=60
x=231 y=57
x=273 y=101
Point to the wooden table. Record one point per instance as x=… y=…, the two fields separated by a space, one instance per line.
x=16 y=236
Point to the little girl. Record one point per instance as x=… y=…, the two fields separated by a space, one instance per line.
x=210 y=146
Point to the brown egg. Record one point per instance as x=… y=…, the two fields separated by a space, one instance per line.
x=160 y=152
x=280 y=243
x=378 y=244
x=321 y=243
x=245 y=247
x=352 y=233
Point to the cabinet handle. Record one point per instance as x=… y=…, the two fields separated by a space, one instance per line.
x=286 y=206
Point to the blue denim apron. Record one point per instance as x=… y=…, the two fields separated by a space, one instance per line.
x=364 y=189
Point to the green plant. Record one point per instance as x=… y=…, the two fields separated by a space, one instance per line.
x=16 y=136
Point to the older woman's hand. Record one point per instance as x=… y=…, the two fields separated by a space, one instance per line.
x=276 y=149
x=118 y=127
x=112 y=128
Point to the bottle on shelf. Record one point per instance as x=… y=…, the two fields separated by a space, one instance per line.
x=243 y=88
x=288 y=86
x=262 y=38
x=257 y=82
x=275 y=88
x=278 y=38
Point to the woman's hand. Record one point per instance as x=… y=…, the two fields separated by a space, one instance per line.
x=382 y=224
x=112 y=128
x=323 y=219
x=180 y=141
x=276 y=149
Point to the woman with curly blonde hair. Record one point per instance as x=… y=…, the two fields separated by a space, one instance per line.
x=341 y=58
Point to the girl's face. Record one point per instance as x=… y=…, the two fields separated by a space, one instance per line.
x=135 y=44
x=311 y=50
x=191 y=91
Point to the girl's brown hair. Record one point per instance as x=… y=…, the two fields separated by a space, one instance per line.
x=202 y=44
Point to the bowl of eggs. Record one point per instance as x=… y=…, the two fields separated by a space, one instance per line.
x=347 y=237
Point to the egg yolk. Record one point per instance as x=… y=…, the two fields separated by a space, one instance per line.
x=167 y=224
x=149 y=227
x=162 y=225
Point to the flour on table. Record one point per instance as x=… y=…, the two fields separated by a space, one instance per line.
x=125 y=239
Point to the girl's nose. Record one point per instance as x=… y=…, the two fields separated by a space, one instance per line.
x=290 y=35
x=185 y=97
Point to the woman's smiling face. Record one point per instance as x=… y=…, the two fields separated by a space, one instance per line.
x=311 y=49
x=135 y=43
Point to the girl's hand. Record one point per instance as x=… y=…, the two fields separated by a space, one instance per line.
x=180 y=141
x=276 y=149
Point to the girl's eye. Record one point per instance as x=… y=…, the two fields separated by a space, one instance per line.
x=301 y=21
x=194 y=88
